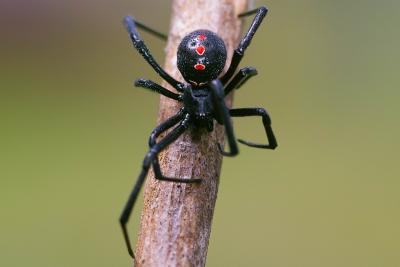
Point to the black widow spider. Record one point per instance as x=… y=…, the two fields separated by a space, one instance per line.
x=201 y=58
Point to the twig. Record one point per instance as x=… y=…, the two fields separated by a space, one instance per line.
x=176 y=218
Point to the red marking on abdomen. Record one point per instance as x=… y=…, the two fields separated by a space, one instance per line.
x=200 y=50
x=201 y=37
x=199 y=66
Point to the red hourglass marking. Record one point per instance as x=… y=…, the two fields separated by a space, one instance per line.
x=200 y=50
x=199 y=66
x=201 y=37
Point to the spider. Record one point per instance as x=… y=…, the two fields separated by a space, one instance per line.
x=201 y=58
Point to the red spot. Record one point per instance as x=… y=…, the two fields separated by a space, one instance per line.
x=201 y=37
x=200 y=50
x=199 y=67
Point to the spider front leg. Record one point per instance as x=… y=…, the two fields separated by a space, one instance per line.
x=240 y=78
x=148 y=160
x=152 y=141
x=222 y=116
x=245 y=42
x=243 y=112
x=165 y=126
x=139 y=44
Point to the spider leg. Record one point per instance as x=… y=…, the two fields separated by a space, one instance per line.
x=165 y=126
x=240 y=78
x=146 y=28
x=159 y=176
x=245 y=42
x=243 y=112
x=152 y=141
x=139 y=44
x=222 y=116
x=149 y=158
x=157 y=88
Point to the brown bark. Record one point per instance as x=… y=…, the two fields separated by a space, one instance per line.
x=176 y=218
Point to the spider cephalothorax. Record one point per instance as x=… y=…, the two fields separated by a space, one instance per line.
x=201 y=57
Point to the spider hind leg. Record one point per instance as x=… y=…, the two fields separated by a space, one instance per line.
x=153 y=32
x=141 y=47
x=237 y=56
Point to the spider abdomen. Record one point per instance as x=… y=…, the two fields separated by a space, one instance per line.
x=201 y=57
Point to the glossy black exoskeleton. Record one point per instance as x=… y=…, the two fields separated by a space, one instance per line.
x=201 y=58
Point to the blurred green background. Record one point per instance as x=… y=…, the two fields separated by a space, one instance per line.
x=74 y=131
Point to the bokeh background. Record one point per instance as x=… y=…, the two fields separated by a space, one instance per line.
x=74 y=131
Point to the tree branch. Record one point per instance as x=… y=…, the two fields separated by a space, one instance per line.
x=176 y=218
